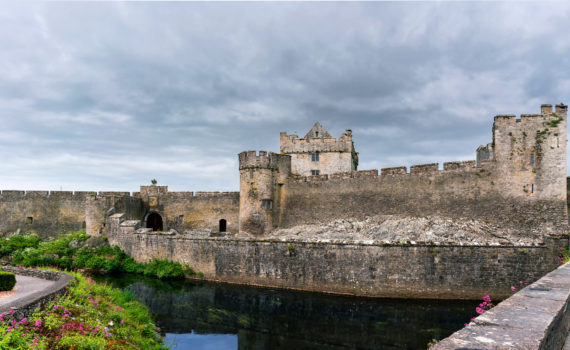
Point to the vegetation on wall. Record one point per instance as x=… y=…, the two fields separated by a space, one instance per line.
x=78 y=251
x=88 y=316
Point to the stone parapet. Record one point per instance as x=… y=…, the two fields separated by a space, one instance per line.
x=537 y=317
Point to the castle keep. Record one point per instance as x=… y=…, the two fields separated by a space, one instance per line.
x=517 y=182
x=318 y=153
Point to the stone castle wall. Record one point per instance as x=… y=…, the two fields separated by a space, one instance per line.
x=329 y=163
x=461 y=191
x=42 y=212
x=201 y=210
x=354 y=268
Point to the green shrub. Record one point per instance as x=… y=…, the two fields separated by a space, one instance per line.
x=18 y=242
x=66 y=253
x=7 y=281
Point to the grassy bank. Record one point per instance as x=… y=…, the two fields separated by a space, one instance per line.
x=79 y=251
x=88 y=316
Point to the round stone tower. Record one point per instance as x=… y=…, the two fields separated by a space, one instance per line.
x=261 y=176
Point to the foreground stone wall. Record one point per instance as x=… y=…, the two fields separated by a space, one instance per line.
x=537 y=317
x=355 y=268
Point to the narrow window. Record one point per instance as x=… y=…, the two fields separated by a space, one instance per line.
x=180 y=219
x=266 y=203
x=315 y=172
x=532 y=159
x=316 y=134
x=251 y=174
x=532 y=188
x=315 y=157
x=29 y=220
x=223 y=225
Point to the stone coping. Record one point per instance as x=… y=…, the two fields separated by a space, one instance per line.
x=537 y=317
x=371 y=242
x=25 y=306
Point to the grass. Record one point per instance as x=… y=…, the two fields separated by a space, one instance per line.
x=71 y=253
x=88 y=316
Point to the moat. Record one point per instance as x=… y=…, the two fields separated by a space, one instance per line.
x=200 y=315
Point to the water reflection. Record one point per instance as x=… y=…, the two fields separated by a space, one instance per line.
x=198 y=315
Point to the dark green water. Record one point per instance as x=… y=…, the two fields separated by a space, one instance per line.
x=199 y=315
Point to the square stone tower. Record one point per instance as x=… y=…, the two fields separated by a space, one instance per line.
x=318 y=153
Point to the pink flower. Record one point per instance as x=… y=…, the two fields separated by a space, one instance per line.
x=38 y=323
x=513 y=288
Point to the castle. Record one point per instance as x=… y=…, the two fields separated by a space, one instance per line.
x=517 y=181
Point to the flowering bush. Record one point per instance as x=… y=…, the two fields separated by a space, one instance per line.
x=564 y=255
x=486 y=305
x=87 y=316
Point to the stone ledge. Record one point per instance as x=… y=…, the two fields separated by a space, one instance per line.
x=25 y=306
x=536 y=317
x=172 y=234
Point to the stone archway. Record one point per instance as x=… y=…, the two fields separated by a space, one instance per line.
x=154 y=221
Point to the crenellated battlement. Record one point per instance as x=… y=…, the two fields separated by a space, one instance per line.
x=294 y=144
x=462 y=165
x=424 y=169
x=545 y=113
x=415 y=170
x=14 y=194
x=261 y=160
x=191 y=195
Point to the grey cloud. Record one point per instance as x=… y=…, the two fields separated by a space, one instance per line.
x=109 y=95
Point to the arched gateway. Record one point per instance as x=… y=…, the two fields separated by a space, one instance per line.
x=154 y=221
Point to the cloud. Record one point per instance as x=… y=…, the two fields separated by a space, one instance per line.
x=106 y=95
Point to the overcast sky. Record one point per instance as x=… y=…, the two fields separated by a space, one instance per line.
x=107 y=96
